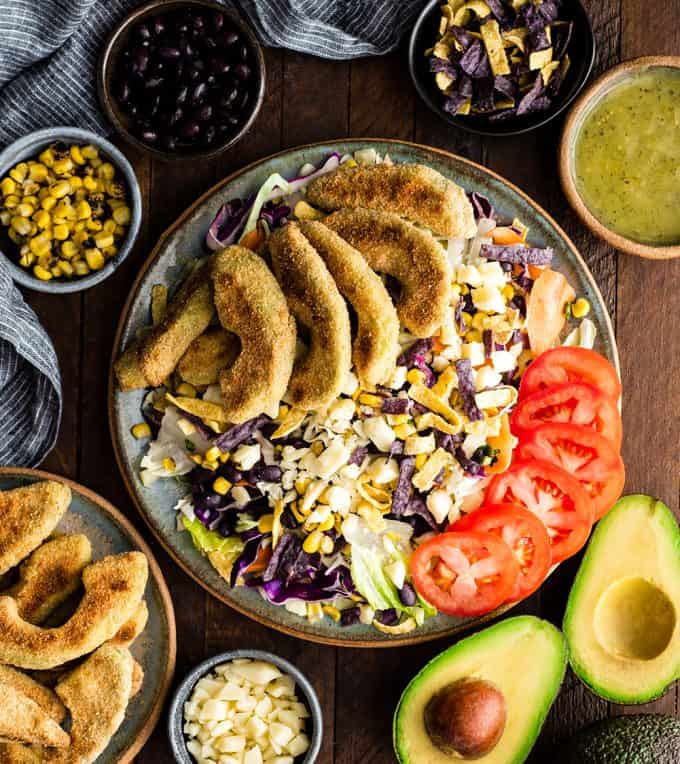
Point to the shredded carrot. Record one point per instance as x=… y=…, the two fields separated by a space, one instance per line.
x=535 y=271
x=253 y=240
x=259 y=564
x=505 y=235
x=437 y=345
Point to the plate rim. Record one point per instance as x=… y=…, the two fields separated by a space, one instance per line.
x=152 y=720
x=400 y=640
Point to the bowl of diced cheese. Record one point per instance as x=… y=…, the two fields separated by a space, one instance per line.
x=245 y=707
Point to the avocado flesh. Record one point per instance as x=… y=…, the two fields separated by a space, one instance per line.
x=621 y=621
x=641 y=739
x=524 y=657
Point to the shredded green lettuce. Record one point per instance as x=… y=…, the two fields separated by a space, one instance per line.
x=210 y=541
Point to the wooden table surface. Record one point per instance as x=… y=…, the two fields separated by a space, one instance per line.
x=309 y=99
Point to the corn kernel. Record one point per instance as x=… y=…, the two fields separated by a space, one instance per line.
x=331 y=611
x=350 y=163
x=8 y=186
x=48 y=203
x=94 y=258
x=316 y=448
x=94 y=163
x=91 y=184
x=55 y=270
x=508 y=292
x=312 y=543
x=21 y=225
x=63 y=166
x=467 y=317
x=368 y=399
x=47 y=157
x=60 y=189
x=213 y=454
x=478 y=320
x=221 y=486
x=415 y=377
x=81 y=267
x=42 y=273
x=94 y=226
x=104 y=240
x=5 y=217
x=14 y=236
x=40 y=244
x=314 y=611
x=106 y=171
x=208 y=465
x=327 y=524
x=66 y=267
x=141 y=430
x=420 y=460
x=11 y=201
x=69 y=249
x=83 y=210
x=283 y=410
x=122 y=215
x=77 y=154
x=188 y=391
x=169 y=464
x=265 y=524
x=19 y=172
x=89 y=151
x=109 y=226
x=580 y=308
x=42 y=218
x=77 y=184
x=402 y=431
x=474 y=335
x=301 y=485
x=224 y=458
x=60 y=232
x=327 y=545
x=196 y=459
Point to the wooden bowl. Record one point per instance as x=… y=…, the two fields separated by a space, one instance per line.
x=586 y=101
x=117 y=40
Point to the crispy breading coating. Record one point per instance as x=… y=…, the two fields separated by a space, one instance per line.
x=410 y=254
x=413 y=191
x=23 y=720
x=37 y=692
x=251 y=305
x=149 y=361
x=113 y=586
x=316 y=303
x=50 y=575
x=214 y=350
x=29 y=514
x=132 y=628
x=375 y=346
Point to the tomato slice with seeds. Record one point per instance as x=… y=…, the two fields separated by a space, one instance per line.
x=466 y=574
x=584 y=454
x=523 y=532
x=554 y=496
x=572 y=402
x=570 y=364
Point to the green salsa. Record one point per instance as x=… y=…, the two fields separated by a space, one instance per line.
x=627 y=158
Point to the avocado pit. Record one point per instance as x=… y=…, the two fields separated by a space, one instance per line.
x=466 y=718
x=634 y=619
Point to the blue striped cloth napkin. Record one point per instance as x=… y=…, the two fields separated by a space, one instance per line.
x=30 y=386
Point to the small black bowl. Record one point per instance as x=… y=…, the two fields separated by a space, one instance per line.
x=581 y=52
x=118 y=39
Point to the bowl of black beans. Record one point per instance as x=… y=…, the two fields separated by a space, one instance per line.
x=182 y=78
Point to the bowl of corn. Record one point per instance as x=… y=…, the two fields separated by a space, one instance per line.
x=70 y=209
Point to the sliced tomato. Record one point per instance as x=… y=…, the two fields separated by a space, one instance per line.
x=523 y=532
x=545 y=309
x=554 y=496
x=465 y=573
x=573 y=402
x=570 y=364
x=584 y=454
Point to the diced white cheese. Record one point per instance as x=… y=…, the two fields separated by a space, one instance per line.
x=212 y=709
x=474 y=351
x=485 y=377
x=240 y=495
x=338 y=498
x=298 y=745
x=488 y=299
x=283 y=687
x=503 y=360
x=246 y=456
x=439 y=503
x=351 y=384
x=258 y=672
x=253 y=756
x=297 y=607
x=492 y=275
x=383 y=470
x=377 y=430
x=342 y=408
x=333 y=458
x=417 y=444
x=230 y=743
x=398 y=378
x=280 y=734
x=439 y=363
x=469 y=274
x=350 y=472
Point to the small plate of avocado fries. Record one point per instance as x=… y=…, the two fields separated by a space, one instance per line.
x=487 y=697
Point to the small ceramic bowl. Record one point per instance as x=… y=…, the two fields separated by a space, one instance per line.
x=114 y=45
x=581 y=53
x=29 y=147
x=309 y=698
x=580 y=110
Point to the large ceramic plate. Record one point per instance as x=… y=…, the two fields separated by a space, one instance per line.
x=184 y=241
x=110 y=533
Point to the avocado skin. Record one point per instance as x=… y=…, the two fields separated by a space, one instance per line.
x=641 y=739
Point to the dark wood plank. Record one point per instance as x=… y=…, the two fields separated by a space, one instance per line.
x=649 y=343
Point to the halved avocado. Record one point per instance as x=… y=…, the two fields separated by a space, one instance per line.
x=524 y=658
x=621 y=621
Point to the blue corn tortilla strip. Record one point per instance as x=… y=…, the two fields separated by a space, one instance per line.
x=517 y=254
x=545 y=26
x=466 y=387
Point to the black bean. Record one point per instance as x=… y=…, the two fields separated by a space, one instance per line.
x=169 y=142
x=210 y=80
x=217 y=21
x=140 y=59
x=198 y=93
x=149 y=136
x=204 y=114
x=169 y=53
x=407 y=594
x=198 y=22
x=124 y=92
x=242 y=72
x=229 y=97
x=188 y=51
x=143 y=32
x=176 y=116
x=154 y=82
x=157 y=26
x=243 y=52
x=210 y=43
x=182 y=94
x=230 y=38
x=209 y=134
x=190 y=130
x=220 y=65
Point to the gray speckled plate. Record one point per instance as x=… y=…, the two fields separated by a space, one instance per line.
x=184 y=241
x=110 y=533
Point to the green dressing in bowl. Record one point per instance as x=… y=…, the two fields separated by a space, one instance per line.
x=627 y=157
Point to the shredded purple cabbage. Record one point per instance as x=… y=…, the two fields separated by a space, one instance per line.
x=481 y=206
x=447 y=441
x=200 y=425
x=247 y=556
x=358 y=455
x=517 y=254
x=274 y=215
x=418 y=508
x=228 y=222
x=402 y=491
x=466 y=387
x=469 y=465
x=239 y=433
x=519 y=303
x=487 y=338
x=350 y=616
x=415 y=353
x=387 y=617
